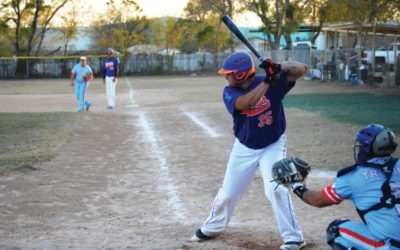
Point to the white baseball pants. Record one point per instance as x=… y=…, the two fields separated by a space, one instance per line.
x=110 y=91
x=240 y=170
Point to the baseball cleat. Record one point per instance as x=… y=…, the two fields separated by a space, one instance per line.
x=88 y=106
x=198 y=236
x=293 y=245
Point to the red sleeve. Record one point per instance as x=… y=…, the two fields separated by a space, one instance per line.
x=329 y=193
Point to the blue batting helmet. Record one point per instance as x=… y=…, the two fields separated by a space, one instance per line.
x=240 y=64
x=373 y=140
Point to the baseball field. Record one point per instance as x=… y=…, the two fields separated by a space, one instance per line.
x=144 y=175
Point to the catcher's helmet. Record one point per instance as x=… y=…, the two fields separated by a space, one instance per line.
x=109 y=51
x=240 y=64
x=373 y=140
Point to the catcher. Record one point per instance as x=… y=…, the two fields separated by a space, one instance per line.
x=372 y=184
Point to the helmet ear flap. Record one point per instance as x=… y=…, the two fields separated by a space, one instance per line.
x=240 y=76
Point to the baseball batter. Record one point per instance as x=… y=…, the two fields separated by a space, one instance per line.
x=83 y=74
x=373 y=185
x=255 y=103
x=110 y=76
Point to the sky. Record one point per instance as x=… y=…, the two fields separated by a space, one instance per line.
x=158 y=8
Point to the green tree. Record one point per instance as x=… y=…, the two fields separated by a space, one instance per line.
x=174 y=33
x=279 y=18
x=120 y=27
x=208 y=14
x=282 y=17
x=27 y=22
x=225 y=7
x=361 y=13
x=69 y=26
x=6 y=47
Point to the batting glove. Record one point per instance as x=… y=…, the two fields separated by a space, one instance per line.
x=271 y=69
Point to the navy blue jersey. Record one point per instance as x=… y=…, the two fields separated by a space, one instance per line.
x=262 y=124
x=110 y=66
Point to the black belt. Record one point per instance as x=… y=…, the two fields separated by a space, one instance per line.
x=395 y=243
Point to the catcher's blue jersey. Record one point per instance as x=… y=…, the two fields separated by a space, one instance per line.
x=264 y=123
x=363 y=187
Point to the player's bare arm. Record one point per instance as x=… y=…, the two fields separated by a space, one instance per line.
x=292 y=172
x=315 y=198
x=294 y=70
x=72 y=78
x=250 y=99
x=116 y=75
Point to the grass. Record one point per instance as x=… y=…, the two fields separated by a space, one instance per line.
x=359 y=109
x=30 y=138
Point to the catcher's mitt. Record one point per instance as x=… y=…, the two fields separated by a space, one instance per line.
x=86 y=77
x=290 y=170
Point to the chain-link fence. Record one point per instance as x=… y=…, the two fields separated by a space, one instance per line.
x=344 y=65
x=43 y=67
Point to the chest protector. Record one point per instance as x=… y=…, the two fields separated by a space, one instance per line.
x=388 y=200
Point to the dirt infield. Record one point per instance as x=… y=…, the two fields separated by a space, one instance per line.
x=144 y=175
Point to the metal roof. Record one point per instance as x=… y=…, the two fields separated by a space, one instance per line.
x=381 y=28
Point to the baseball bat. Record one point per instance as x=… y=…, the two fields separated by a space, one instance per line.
x=235 y=30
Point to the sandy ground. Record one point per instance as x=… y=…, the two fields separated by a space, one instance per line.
x=144 y=175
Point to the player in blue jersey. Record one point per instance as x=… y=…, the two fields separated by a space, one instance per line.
x=373 y=185
x=82 y=74
x=110 y=76
x=255 y=103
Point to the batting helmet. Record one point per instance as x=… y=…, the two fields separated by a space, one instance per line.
x=240 y=64
x=373 y=140
x=109 y=51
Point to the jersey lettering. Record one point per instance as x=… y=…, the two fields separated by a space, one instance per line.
x=227 y=97
x=265 y=119
x=262 y=105
x=110 y=65
x=371 y=174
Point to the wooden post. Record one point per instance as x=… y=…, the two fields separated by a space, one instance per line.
x=373 y=51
